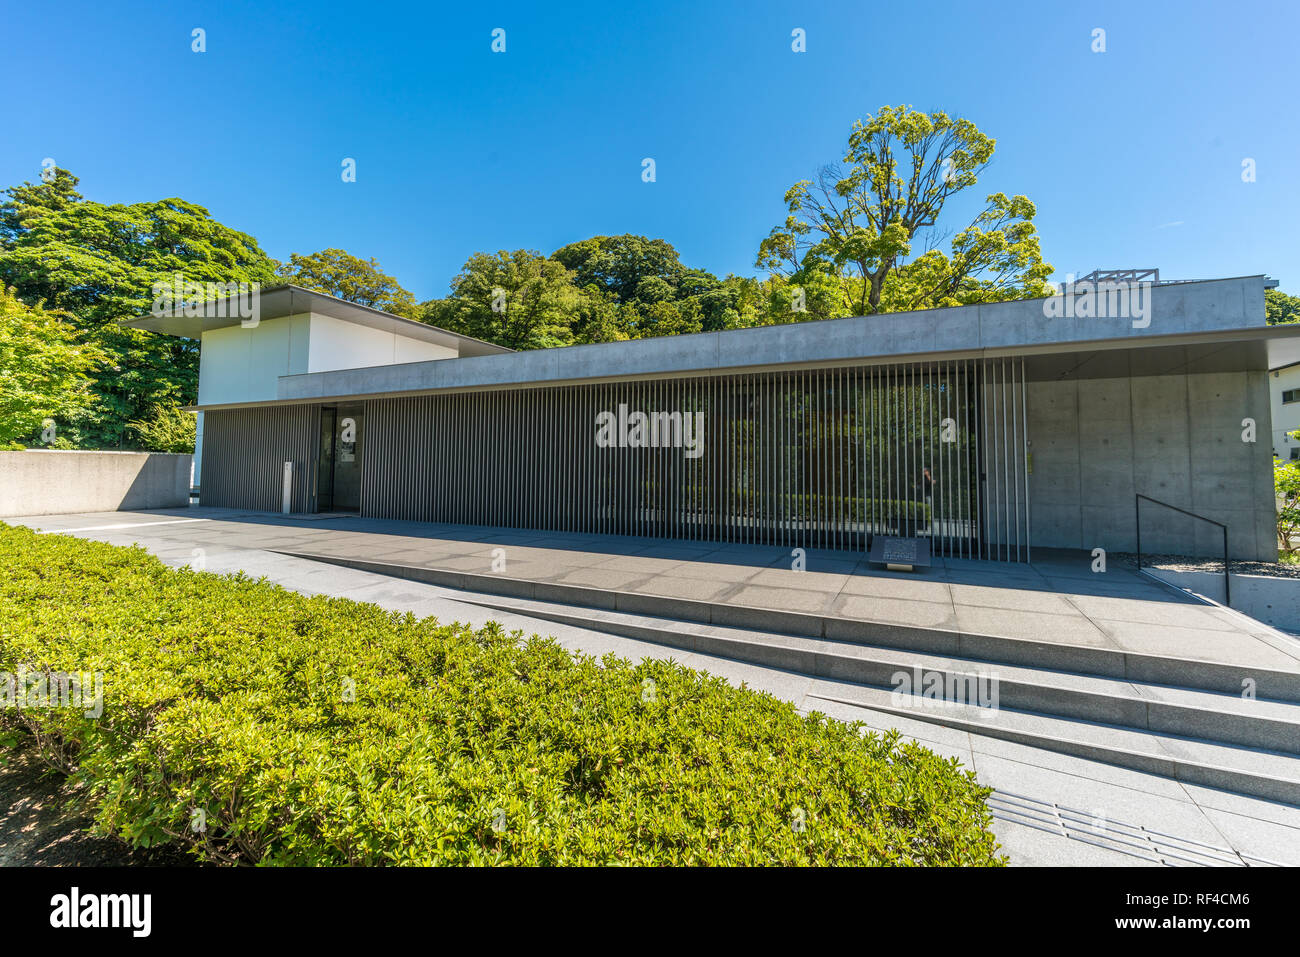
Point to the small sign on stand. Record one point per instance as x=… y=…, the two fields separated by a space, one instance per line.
x=900 y=554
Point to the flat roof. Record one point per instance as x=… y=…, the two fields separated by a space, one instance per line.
x=290 y=300
x=1198 y=326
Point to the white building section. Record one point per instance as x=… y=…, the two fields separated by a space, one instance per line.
x=1284 y=392
x=297 y=332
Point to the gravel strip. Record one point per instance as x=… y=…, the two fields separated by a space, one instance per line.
x=1188 y=563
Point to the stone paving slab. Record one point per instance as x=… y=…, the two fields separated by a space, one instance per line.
x=1055 y=600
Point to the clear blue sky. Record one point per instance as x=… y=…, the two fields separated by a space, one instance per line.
x=1133 y=156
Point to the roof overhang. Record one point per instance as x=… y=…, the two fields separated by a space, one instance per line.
x=281 y=301
x=1194 y=327
x=1103 y=359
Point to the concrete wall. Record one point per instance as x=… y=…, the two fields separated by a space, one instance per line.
x=1096 y=443
x=1184 y=308
x=1274 y=601
x=48 y=482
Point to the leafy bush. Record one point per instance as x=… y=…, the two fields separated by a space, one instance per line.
x=1286 y=487
x=229 y=696
x=44 y=371
x=167 y=428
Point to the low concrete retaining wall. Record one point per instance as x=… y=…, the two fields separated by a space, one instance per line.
x=50 y=481
x=1274 y=601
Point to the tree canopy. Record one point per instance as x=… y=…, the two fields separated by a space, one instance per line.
x=337 y=273
x=1279 y=307
x=873 y=225
x=45 y=373
x=519 y=299
x=629 y=268
x=873 y=233
x=98 y=263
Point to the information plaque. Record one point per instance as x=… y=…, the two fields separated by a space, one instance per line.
x=900 y=553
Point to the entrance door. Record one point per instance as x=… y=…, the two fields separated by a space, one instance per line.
x=338 y=481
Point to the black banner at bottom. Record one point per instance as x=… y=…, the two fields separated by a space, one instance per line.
x=336 y=906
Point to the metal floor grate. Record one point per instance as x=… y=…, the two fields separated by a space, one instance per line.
x=1128 y=839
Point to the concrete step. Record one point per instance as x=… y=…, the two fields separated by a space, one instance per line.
x=1147 y=669
x=1191 y=734
x=1212 y=716
x=1253 y=771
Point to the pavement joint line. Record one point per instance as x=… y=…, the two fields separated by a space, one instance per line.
x=100 y=528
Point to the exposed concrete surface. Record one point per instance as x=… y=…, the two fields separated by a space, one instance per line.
x=54 y=481
x=1096 y=444
x=1184 y=308
x=1274 y=601
x=1051 y=809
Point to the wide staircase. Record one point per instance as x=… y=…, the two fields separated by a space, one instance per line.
x=1202 y=723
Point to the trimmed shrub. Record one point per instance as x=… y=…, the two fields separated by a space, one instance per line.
x=256 y=725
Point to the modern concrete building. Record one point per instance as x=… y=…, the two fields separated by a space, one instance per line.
x=989 y=429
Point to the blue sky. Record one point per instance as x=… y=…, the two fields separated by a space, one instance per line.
x=1133 y=156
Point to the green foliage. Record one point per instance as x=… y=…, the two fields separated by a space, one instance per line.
x=337 y=273
x=167 y=428
x=520 y=300
x=229 y=696
x=1279 y=307
x=1286 y=485
x=846 y=507
x=44 y=370
x=630 y=268
x=98 y=263
x=873 y=224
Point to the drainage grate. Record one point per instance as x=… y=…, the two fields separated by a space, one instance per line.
x=1128 y=839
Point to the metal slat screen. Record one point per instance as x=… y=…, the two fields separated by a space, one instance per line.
x=244 y=451
x=821 y=458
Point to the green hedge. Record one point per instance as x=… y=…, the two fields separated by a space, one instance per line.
x=856 y=509
x=226 y=694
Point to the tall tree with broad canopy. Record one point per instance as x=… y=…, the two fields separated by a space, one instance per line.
x=631 y=268
x=1280 y=308
x=338 y=273
x=873 y=223
x=519 y=299
x=45 y=373
x=99 y=263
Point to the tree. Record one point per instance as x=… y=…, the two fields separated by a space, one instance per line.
x=44 y=372
x=599 y=318
x=167 y=428
x=816 y=295
x=873 y=224
x=98 y=263
x=1280 y=308
x=519 y=299
x=1286 y=486
x=337 y=273
x=628 y=267
x=662 y=318
x=29 y=202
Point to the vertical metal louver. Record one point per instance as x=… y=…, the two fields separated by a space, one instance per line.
x=821 y=458
x=244 y=451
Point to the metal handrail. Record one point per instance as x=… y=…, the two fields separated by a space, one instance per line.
x=1137 y=507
